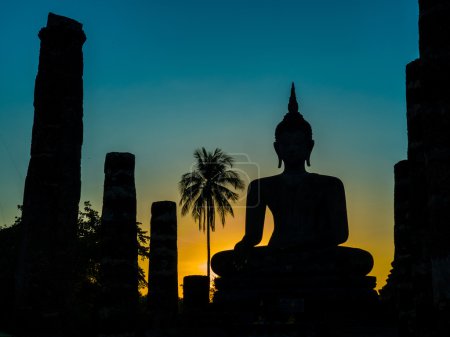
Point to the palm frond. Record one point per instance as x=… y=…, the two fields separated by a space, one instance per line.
x=222 y=159
x=189 y=179
x=223 y=206
x=230 y=177
x=210 y=212
x=225 y=192
x=199 y=211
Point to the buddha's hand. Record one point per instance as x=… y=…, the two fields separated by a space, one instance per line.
x=241 y=252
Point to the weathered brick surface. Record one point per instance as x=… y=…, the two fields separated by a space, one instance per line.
x=422 y=231
x=163 y=264
x=52 y=186
x=118 y=271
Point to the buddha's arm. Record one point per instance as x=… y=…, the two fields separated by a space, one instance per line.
x=338 y=213
x=254 y=217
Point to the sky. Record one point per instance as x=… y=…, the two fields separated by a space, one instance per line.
x=163 y=78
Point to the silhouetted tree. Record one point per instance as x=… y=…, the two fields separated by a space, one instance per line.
x=84 y=303
x=87 y=245
x=9 y=250
x=87 y=286
x=88 y=234
x=205 y=190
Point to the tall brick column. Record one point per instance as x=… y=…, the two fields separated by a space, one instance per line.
x=52 y=186
x=434 y=65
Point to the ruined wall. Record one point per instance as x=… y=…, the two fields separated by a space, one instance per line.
x=421 y=275
x=434 y=26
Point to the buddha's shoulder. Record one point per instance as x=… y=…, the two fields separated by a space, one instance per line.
x=321 y=178
x=262 y=181
x=265 y=182
x=311 y=178
x=324 y=181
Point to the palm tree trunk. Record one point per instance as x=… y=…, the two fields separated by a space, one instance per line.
x=208 y=246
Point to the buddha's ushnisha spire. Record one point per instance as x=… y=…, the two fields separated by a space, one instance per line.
x=293 y=105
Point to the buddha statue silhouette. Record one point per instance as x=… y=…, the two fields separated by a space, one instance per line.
x=309 y=213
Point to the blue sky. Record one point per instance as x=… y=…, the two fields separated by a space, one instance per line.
x=163 y=78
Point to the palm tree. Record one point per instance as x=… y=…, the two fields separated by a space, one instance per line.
x=205 y=191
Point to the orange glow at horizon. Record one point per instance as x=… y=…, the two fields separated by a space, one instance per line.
x=192 y=252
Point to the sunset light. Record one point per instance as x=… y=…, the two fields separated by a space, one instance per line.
x=248 y=143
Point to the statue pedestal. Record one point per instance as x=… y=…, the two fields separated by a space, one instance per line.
x=313 y=292
x=288 y=289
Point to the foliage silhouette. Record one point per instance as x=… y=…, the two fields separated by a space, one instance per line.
x=9 y=249
x=86 y=287
x=88 y=237
x=205 y=190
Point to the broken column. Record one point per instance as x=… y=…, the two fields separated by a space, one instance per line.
x=399 y=283
x=118 y=270
x=196 y=292
x=163 y=264
x=53 y=183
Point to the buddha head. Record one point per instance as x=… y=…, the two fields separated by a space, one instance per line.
x=293 y=137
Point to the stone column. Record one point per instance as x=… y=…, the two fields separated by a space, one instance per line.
x=118 y=271
x=434 y=32
x=195 y=292
x=163 y=264
x=399 y=284
x=52 y=186
x=434 y=29
x=420 y=315
x=402 y=239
